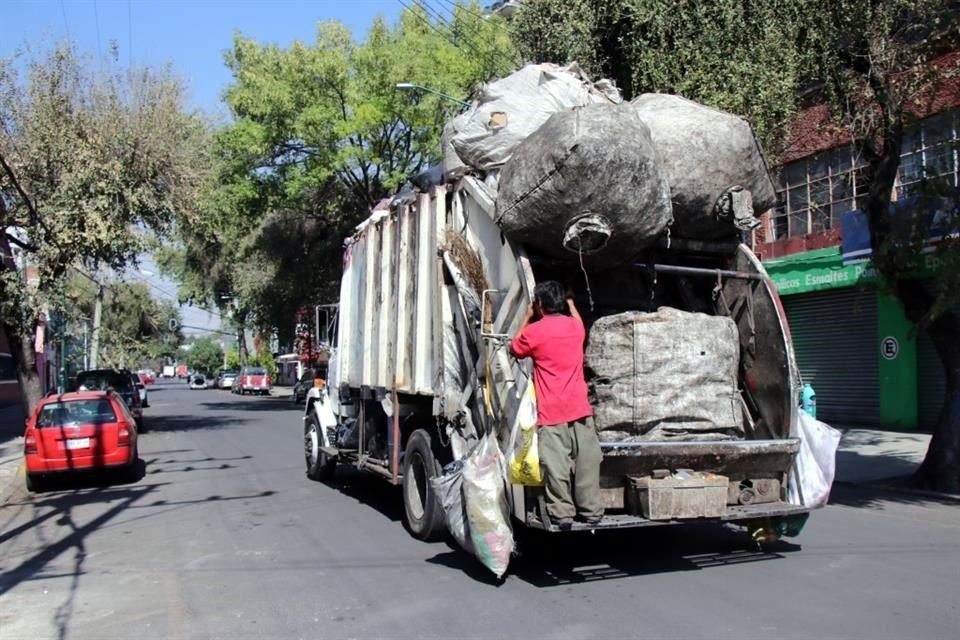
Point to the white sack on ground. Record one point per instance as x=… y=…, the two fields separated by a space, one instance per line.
x=815 y=466
x=705 y=153
x=593 y=166
x=510 y=109
x=488 y=512
x=665 y=375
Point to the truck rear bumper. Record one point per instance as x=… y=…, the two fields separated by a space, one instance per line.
x=627 y=521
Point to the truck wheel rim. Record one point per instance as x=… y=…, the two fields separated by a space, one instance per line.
x=416 y=487
x=311 y=445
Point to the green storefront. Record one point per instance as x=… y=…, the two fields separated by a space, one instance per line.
x=854 y=344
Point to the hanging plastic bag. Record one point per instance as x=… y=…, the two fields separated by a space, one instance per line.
x=525 y=457
x=816 y=463
x=488 y=513
x=449 y=489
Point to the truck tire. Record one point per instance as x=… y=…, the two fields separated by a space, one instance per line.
x=424 y=513
x=320 y=466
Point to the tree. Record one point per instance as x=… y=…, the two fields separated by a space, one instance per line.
x=320 y=134
x=873 y=61
x=204 y=356
x=90 y=160
x=737 y=56
x=878 y=64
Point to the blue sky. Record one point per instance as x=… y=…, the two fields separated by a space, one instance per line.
x=190 y=35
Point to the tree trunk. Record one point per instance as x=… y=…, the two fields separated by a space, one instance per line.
x=21 y=342
x=241 y=345
x=940 y=469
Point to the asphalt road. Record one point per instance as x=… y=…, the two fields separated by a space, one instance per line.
x=224 y=537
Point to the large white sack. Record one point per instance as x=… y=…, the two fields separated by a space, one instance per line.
x=510 y=109
x=488 y=512
x=706 y=153
x=815 y=466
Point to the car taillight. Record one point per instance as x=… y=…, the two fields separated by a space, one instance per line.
x=123 y=435
x=30 y=443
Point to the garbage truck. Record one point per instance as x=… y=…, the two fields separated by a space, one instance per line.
x=681 y=330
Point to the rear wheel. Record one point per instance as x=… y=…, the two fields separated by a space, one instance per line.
x=320 y=466
x=424 y=513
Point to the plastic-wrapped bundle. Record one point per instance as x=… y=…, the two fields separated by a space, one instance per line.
x=449 y=489
x=488 y=513
x=711 y=159
x=510 y=109
x=589 y=179
x=665 y=375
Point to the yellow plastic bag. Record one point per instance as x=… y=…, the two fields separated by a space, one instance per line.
x=525 y=463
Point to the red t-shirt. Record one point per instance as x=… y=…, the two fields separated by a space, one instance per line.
x=555 y=342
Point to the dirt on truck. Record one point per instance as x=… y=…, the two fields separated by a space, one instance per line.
x=689 y=361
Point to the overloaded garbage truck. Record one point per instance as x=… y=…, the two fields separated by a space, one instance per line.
x=640 y=208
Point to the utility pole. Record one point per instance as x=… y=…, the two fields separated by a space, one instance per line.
x=97 y=317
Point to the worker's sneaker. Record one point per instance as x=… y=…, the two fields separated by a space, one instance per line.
x=591 y=520
x=564 y=524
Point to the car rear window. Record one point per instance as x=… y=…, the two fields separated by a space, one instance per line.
x=93 y=411
x=256 y=371
x=103 y=380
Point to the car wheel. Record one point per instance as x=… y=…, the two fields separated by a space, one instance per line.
x=131 y=473
x=141 y=425
x=424 y=513
x=320 y=466
x=35 y=484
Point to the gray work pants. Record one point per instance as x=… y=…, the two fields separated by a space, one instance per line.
x=570 y=453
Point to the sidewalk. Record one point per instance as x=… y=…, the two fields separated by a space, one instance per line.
x=867 y=456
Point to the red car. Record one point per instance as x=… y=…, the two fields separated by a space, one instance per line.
x=253 y=380
x=80 y=431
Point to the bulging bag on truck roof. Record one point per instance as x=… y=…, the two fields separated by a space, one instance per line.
x=711 y=158
x=510 y=109
x=665 y=375
x=588 y=179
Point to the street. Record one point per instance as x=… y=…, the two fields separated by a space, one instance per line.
x=224 y=537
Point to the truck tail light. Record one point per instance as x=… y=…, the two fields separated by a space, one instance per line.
x=30 y=443
x=123 y=435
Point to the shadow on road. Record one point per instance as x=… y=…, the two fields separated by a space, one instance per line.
x=895 y=490
x=190 y=422
x=369 y=490
x=551 y=560
x=246 y=403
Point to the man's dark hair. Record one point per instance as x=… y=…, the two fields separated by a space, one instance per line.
x=549 y=295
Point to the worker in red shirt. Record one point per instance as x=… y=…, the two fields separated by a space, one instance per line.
x=568 y=445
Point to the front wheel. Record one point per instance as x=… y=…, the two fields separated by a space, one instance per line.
x=424 y=513
x=320 y=466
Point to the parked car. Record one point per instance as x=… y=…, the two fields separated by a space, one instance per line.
x=254 y=380
x=147 y=376
x=227 y=379
x=119 y=380
x=311 y=378
x=198 y=382
x=141 y=389
x=79 y=431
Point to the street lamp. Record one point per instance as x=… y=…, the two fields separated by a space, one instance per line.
x=411 y=86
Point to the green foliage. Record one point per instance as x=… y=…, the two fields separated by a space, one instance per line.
x=319 y=134
x=134 y=330
x=233 y=359
x=205 y=356
x=733 y=55
x=92 y=161
x=263 y=358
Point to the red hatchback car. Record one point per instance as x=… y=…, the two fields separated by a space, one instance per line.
x=80 y=431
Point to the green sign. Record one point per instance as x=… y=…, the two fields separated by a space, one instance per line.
x=800 y=280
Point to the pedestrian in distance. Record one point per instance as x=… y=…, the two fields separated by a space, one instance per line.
x=553 y=335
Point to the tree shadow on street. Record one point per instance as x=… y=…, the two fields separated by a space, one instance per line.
x=551 y=560
x=246 y=403
x=199 y=422
x=368 y=490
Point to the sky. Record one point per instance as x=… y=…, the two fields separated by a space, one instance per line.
x=191 y=35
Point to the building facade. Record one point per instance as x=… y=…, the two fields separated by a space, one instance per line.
x=869 y=365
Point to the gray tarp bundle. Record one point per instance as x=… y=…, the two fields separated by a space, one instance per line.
x=706 y=154
x=665 y=375
x=508 y=110
x=593 y=166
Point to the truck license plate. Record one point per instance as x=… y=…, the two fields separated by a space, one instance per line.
x=78 y=443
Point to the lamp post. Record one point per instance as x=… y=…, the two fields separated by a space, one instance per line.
x=419 y=87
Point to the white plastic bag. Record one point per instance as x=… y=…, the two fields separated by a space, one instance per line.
x=816 y=463
x=488 y=513
x=449 y=489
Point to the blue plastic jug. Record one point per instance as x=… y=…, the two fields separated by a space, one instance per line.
x=808 y=400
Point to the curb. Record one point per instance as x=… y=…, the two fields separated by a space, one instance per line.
x=890 y=488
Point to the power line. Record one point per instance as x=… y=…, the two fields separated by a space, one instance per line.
x=469 y=37
x=66 y=25
x=129 y=35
